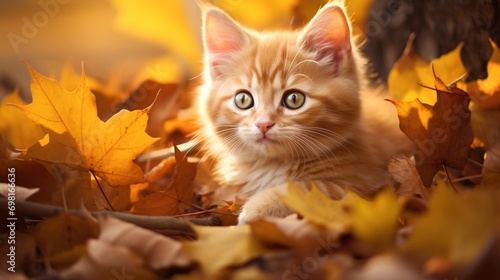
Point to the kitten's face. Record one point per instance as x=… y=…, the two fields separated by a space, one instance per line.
x=286 y=95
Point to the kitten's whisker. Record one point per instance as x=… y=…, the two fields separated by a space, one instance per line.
x=316 y=146
x=338 y=139
x=304 y=61
x=300 y=75
x=224 y=83
x=295 y=56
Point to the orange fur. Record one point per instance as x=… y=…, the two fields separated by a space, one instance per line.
x=339 y=139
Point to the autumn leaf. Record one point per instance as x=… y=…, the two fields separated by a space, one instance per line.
x=78 y=138
x=157 y=251
x=411 y=73
x=315 y=206
x=21 y=193
x=375 y=222
x=218 y=248
x=228 y=212
x=57 y=234
x=452 y=228
x=404 y=171
x=486 y=93
x=107 y=261
x=300 y=235
x=441 y=132
x=15 y=127
x=178 y=194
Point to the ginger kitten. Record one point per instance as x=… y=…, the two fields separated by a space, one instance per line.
x=287 y=106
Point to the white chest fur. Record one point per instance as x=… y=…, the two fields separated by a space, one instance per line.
x=254 y=176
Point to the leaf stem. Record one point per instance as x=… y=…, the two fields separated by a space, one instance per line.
x=102 y=191
x=449 y=179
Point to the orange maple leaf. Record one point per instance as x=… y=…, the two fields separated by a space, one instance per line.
x=441 y=132
x=178 y=194
x=78 y=138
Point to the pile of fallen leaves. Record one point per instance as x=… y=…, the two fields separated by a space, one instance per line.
x=97 y=197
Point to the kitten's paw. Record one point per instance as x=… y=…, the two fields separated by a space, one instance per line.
x=266 y=203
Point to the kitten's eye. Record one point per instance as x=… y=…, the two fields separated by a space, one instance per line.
x=294 y=100
x=243 y=100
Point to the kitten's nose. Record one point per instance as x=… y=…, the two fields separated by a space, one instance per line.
x=264 y=126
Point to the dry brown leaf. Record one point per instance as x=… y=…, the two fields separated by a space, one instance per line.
x=106 y=261
x=178 y=195
x=21 y=193
x=228 y=212
x=157 y=251
x=404 y=171
x=441 y=132
x=302 y=236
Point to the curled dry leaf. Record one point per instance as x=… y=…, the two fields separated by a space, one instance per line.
x=157 y=251
x=106 y=261
x=21 y=193
x=404 y=171
x=300 y=235
x=441 y=132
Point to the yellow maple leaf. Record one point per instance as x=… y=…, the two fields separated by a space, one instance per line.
x=456 y=227
x=218 y=248
x=375 y=222
x=411 y=71
x=486 y=93
x=20 y=131
x=78 y=138
x=315 y=206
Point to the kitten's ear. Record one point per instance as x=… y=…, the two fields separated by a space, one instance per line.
x=328 y=33
x=222 y=37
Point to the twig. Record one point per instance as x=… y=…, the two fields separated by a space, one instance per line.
x=467 y=178
x=150 y=222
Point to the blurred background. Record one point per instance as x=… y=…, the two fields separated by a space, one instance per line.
x=124 y=43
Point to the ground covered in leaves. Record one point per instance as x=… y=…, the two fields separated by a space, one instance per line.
x=108 y=186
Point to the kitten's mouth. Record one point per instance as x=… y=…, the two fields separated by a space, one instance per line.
x=265 y=139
